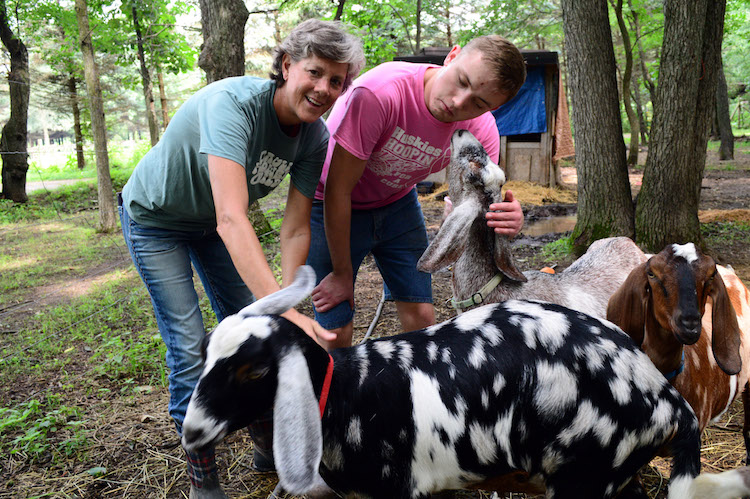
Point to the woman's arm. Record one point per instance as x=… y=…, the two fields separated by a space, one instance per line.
x=231 y=199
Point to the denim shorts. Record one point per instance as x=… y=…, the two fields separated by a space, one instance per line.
x=395 y=235
x=165 y=260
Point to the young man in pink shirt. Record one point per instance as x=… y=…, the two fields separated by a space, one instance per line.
x=389 y=131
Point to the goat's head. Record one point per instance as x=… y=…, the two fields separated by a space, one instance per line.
x=253 y=362
x=475 y=183
x=669 y=293
x=472 y=170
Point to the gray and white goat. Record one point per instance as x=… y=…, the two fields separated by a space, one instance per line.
x=484 y=270
x=518 y=396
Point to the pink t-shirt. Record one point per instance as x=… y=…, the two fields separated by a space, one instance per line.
x=382 y=118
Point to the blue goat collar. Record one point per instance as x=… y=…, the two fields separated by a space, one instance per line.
x=673 y=374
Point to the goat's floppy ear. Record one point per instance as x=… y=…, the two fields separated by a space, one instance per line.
x=724 y=327
x=627 y=307
x=452 y=237
x=286 y=298
x=504 y=260
x=297 y=430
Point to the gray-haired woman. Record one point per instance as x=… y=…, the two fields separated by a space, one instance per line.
x=186 y=202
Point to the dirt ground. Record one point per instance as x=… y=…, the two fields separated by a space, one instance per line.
x=136 y=442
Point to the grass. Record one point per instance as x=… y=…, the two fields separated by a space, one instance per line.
x=79 y=342
x=52 y=163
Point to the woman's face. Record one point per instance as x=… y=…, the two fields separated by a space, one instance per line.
x=312 y=86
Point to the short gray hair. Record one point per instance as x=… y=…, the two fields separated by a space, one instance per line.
x=325 y=39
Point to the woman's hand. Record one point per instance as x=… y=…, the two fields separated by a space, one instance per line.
x=310 y=327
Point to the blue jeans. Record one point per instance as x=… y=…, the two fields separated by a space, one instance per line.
x=395 y=235
x=163 y=259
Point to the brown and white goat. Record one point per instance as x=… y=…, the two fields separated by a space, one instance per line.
x=692 y=318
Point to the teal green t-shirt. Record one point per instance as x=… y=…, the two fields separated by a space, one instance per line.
x=232 y=118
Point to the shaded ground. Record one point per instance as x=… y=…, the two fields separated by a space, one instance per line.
x=136 y=443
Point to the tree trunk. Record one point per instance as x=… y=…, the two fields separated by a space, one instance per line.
x=418 y=40
x=77 y=130
x=223 y=27
x=163 y=99
x=223 y=55
x=15 y=132
x=277 y=26
x=339 y=10
x=635 y=128
x=667 y=209
x=448 y=33
x=605 y=206
x=726 y=149
x=148 y=87
x=107 y=218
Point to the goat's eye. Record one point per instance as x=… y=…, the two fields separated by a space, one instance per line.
x=650 y=274
x=247 y=373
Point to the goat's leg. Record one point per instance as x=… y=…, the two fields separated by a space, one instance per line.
x=746 y=425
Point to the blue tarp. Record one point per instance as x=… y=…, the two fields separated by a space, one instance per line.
x=524 y=113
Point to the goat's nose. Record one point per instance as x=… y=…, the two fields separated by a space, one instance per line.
x=192 y=435
x=690 y=326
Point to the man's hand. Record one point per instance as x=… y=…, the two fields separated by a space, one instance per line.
x=310 y=327
x=506 y=218
x=331 y=291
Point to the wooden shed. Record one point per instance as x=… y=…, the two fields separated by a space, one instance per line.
x=534 y=126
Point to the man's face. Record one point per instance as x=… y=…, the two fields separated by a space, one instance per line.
x=463 y=88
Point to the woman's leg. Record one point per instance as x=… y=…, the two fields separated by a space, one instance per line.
x=163 y=262
x=228 y=295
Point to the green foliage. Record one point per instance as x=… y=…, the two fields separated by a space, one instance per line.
x=167 y=50
x=46 y=205
x=127 y=356
x=35 y=429
x=736 y=44
x=384 y=29
x=734 y=232
x=527 y=24
x=557 y=249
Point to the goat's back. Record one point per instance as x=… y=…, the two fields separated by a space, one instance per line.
x=517 y=386
x=585 y=286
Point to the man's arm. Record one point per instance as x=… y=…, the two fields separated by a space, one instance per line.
x=231 y=199
x=345 y=170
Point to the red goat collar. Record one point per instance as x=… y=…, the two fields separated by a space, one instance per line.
x=326 y=386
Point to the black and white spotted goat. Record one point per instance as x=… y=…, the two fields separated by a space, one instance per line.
x=484 y=270
x=518 y=396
